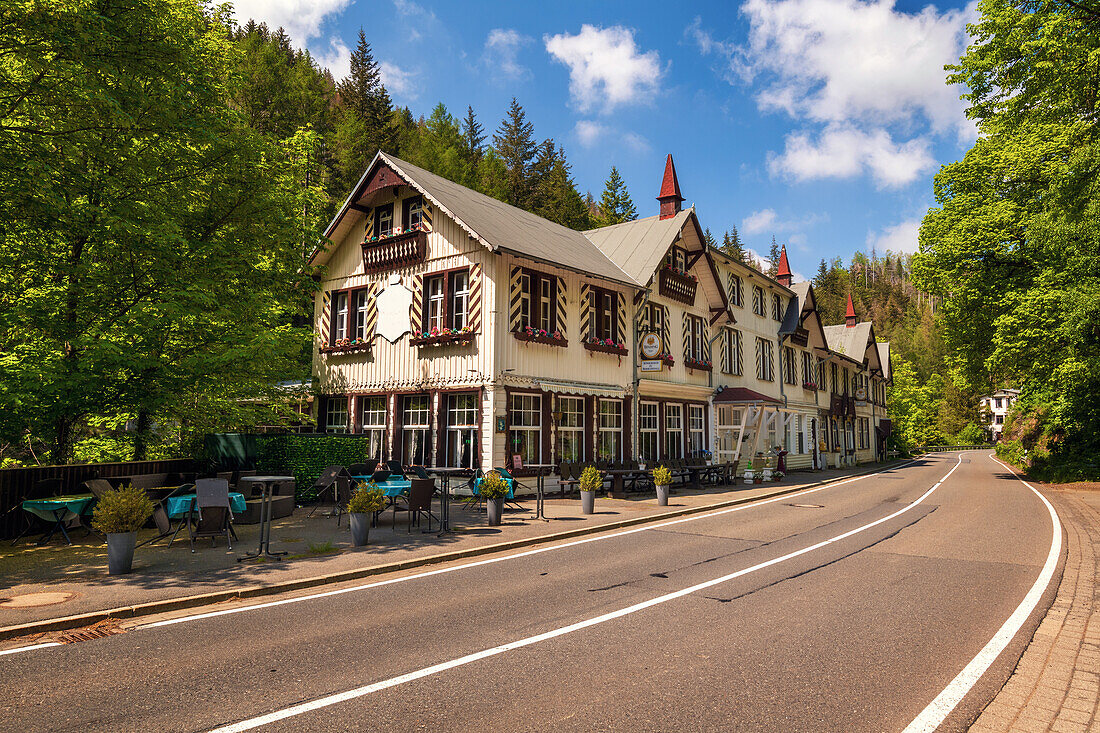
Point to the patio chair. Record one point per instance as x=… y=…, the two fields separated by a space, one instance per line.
x=161 y=519
x=210 y=514
x=334 y=480
x=359 y=469
x=396 y=469
x=419 y=502
x=420 y=472
x=511 y=498
x=380 y=477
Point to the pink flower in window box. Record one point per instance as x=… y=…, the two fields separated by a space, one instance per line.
x=557 y=335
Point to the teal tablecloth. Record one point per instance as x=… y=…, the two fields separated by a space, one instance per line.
x=511 y=488
x=178 y=506
x=392 y=488
x=73 y=504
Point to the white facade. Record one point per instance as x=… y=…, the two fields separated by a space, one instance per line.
x=995 y=409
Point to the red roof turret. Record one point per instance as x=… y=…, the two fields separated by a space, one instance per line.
x=670 y=197
x=783 y=274
x=850 y=314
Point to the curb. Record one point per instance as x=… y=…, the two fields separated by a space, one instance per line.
x=64 y=623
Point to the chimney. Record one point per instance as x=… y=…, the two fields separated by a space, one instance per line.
x=783 y=274
x=670 y=197
x=850 y=314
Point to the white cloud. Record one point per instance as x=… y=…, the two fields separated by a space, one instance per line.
x=636 y=142
x=336 y=59
x=301 y=19
x=900 y=237
x=757 y=221
x=399 y=82
x=846 y=152
x=588 y=132
x=415 y=18
x=606 y=68
x=502 y=50
x=766 y=220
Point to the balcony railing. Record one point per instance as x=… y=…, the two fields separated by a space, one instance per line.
x=398 y=250
x=677 y=286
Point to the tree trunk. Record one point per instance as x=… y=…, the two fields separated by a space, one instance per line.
x=141 y=438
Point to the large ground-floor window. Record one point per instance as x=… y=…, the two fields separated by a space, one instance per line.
x=864 y=433
x=570 y=417
x=372 y=411
x=609 y=440
x=849 y=435
x=415 y=429
x=729 y=427
x=696 y=430
x=462 y=430
x=674 y=431
x=525 y=427
x=336 y=414
x=648 y=424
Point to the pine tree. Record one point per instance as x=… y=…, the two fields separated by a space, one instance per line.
x=708 y=237
x=473 y=134
x=822 y=273
x=514 y=142
x=731 y=246
x=616 y=205
x=773 y=258
x=367 y=121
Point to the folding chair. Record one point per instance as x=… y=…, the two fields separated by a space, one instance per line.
x=214 y=513
x=419 y=502
x=334 y=479
x=397 y=470
x=161 y=519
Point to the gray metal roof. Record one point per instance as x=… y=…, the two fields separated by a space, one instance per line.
x=854 y=342
x=884 y=357
x=639 y=246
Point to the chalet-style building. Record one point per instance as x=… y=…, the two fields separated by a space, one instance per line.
x=456 y=330
x=995 y=409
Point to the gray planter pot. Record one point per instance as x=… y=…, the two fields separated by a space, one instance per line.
x=588 y=502
x=120 y=552
x=360 y=525
x=662 y=494
x=495 y=508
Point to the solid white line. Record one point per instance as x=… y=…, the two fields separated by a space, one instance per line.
x=30 y=648
x=443 y=666
x=938 y=710
x=514 y=556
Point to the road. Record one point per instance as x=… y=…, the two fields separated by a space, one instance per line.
x=844 y=608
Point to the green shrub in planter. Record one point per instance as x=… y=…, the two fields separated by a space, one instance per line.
x=591 y=480
x=493 y=486
x=662 y=476
x=368 y=498
x=124 y=509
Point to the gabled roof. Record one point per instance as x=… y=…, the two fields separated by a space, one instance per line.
x=497 y=225
x=884 y=359
x=802 y=313
x=855 y=342
x=639 y=246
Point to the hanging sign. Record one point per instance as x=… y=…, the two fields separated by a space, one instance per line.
x=652 y=365
x=651 y=346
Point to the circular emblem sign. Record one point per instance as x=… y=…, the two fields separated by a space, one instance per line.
x=861 y=393
x=651 y=346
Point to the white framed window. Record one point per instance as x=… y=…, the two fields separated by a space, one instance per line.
x=361 y=314
x=462 y=430
x=609 y=438
x=384 y=222
x=525 y=427
x=765 y=360
x=732 y=345
x=460 y=298
x=340 y=315
x=436 y=303
x=696 y=430
x=372 y=411
x=849 y=434
x=735 y=291
x=414 y=213
x=571 y=429
x=693 y=349
x=648 y=425
x=336 y=414
x=415 y=429
x=864 y=433
x=777 y=307
x=607 y=316
x=546 y=305
x=674 y=431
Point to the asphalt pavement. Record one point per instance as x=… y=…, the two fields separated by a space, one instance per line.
x=845 y=608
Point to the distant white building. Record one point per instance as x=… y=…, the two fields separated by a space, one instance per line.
x=995 y=409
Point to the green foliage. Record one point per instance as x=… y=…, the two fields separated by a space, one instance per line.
x=591 y=479
x=662 y=476
x=971 y=435
x=493 y=486
x=124 y=509
x=305 y=457
x=368 y=498
x=913 y=407
x=615 y=204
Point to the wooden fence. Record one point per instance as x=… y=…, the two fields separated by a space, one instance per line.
x=17 y=484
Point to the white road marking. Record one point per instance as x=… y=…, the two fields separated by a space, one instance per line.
x=32 y=647
x=938 y=710
x=514 y=556
x=443 y=666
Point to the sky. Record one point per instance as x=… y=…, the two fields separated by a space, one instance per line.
x=818 y=122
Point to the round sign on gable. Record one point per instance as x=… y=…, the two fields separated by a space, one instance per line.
x=651 y=345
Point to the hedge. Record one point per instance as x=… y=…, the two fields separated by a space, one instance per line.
x=306 y=456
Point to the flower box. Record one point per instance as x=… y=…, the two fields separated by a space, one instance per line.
x=538 y=336
x=396 y=250
x=810 y=386
x=617 y=349
x=699 y=366
x=677 y=285
x=442 y=339
x=667 y=359
x=344 y=346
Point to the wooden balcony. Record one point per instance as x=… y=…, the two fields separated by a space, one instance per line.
x=398 y=250
x=677 y=286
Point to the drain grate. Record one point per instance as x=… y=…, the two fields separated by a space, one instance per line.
x=109 y=627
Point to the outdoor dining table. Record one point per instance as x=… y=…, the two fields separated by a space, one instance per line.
x=445 y=474
x=265 y=483
x=59 y=510
x=618 y=480
x=178 y=506
x=391 y=488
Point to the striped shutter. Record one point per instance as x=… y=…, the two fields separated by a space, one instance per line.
x=687 y=335
x=514 y=294
x=369 y=231
x=416 y=315
x=706 y=342
x=725 y=360
x=426 y=212
x=731 y=289
x=561 y=314
x=371 y=316
x=759 y=373
x=738 y=356
x=666 y=330
x=643 y=318
x=473 y=319
x=326 y=317
x=620 y=309
x=586 y=311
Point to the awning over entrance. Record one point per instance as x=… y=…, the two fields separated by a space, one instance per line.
x=673 y=390
x=743 y=394
x=585 y=388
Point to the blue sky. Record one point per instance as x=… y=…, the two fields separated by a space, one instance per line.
x=820 y=122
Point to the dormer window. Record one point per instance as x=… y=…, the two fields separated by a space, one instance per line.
x=676 y=258
x=383 y=220
x=413 y=212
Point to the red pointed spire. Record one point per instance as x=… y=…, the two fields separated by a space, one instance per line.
x=850 y=314
x=783 y=274
x=669 y=197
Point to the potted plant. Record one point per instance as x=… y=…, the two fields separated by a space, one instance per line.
x=493 y=489
x=662 y=478
x=119 y=514
x=591 y=482
x=366 y=500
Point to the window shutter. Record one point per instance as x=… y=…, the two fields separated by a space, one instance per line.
x=643 y=318
x=369 y=231
x=759 y=371
x=586 y=311
x=561 y=315
x=687 y=335
x=426 y=213
x=726 y=336
x=514 y=299
x=326 y=318
x=474 y=304
x=371 y=294
x=416 y=316
x=620 y=310
x=706 y=342
x=666 y=331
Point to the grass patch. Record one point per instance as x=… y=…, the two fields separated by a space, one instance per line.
x=321 y=548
